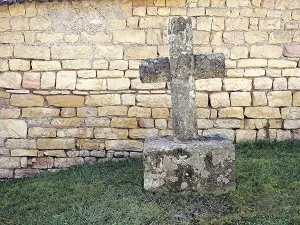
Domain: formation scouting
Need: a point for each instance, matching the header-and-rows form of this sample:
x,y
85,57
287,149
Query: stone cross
x,y
181,69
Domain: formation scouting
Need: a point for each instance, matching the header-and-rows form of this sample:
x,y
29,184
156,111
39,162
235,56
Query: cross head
x,y
181,69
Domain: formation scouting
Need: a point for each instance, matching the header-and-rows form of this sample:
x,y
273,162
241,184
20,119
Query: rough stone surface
x,y
292,51
206,165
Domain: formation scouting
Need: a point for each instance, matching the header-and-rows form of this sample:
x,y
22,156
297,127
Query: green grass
x,y
268,192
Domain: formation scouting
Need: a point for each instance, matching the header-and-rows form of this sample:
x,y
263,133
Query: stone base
x,y
206,165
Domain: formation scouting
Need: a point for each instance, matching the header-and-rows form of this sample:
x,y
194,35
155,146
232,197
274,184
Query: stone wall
x,y
69,83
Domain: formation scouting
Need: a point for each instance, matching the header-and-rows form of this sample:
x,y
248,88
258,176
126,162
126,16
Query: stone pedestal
x,y
206,166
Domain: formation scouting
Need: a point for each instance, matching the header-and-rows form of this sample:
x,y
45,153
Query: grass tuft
x,y
268,192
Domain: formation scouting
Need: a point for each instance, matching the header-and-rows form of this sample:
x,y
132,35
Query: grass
x,y
268,192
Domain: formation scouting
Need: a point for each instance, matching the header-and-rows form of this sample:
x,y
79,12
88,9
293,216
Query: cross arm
x,y
155,70
209,66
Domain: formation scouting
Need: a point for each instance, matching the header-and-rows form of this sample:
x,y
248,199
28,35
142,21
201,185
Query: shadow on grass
x,y
111,193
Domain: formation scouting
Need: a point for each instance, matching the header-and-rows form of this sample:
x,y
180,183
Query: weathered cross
x,y
181,70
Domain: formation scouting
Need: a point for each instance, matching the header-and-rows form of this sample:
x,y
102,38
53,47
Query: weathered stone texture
x,y
178,172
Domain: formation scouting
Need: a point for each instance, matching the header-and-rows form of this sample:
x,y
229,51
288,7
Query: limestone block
x,y
86,74
124,145
218,100
234,37
98,37
255,123
139,11
128,99
204,23
229,123
254,72
13,128
19,65
55,153
166,178
245,135
231,112
270,24
210,84
17,10
67,162
100,64
194,12
140,52
5,25
262,112
232,24
283,135
86,112
291,124
10,80
266,51
111,133
97,122
160,113
112,111
110,52
68,112
79,64
26,100
6,173
280,98
143,133
67,122
118,65
294,83
43,163
280,37
277,63
262,83
132,73
65,100
291,72
218,24
237,84
41,132
218,12
136,111
280,84
9,113
118,84
11,38
177,3
161,124
91,84
137,84
66,80
153,22
40,112
23,152
253,37
240,98
252,63
129,36
32,52
76,132
90,144
39,23
6,51
31,80
55,143
292,51
259,99
45,65
146,123
239,52
71,52
48,37
154,37
296,99
103,100
158,100
48,80
10,162
123,122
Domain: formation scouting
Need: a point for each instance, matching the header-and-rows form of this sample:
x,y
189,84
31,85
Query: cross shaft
x,y
181,70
